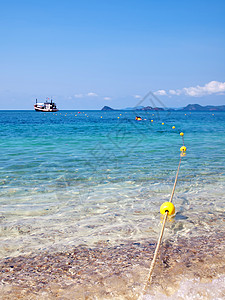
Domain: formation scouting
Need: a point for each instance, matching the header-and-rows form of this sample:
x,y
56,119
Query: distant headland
x,y
189,107
107,108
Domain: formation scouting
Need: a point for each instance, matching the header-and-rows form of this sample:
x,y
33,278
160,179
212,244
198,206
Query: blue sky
x,y
87,54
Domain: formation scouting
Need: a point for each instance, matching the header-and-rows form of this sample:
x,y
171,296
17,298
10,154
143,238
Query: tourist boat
x,y
46,106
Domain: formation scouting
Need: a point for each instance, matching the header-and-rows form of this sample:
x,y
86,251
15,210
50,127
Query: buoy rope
x,y
149,278
175,182
183,139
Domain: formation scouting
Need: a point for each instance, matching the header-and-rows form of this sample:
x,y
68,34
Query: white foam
x,y
195,289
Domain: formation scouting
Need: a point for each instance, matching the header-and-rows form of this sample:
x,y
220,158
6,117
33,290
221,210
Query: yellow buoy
x,y
173,127
162,123
167,207
183,148
151,120
181,133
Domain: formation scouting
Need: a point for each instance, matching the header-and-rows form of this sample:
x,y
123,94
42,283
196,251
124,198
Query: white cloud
x,y
160,93
175,92
107,98
78,95
212,87
91,94
137,97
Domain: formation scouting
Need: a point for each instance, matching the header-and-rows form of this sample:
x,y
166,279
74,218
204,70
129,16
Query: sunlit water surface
x,y
72,179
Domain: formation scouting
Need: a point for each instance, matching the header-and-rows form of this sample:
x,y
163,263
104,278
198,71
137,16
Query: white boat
x,y
46,106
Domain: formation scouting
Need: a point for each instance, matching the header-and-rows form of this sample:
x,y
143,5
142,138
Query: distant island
x,y
189,107
197,107
107,108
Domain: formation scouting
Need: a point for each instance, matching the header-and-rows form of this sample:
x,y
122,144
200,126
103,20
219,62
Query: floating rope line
x,y
166,209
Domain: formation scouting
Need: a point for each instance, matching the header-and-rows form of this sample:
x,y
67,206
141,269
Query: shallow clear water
x,y
70,179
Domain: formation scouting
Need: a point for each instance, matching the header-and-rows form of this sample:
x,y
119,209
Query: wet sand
x,y
113,272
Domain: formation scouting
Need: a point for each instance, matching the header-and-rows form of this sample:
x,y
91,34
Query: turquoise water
x,y
80,197
72,178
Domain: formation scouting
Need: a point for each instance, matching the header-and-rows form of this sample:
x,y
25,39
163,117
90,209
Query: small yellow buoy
x,y
151,120
181,133
173,127
167,207
183,148
162,123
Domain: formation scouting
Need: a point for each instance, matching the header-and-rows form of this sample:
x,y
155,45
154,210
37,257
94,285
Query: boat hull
x,y
46,110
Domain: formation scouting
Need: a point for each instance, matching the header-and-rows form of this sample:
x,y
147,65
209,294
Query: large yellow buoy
x,y
183,148
167,207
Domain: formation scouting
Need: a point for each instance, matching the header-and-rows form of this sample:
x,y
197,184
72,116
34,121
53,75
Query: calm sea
x,y
72,178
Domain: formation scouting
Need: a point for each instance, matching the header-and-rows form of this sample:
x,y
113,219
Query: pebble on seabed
x,y
110,271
